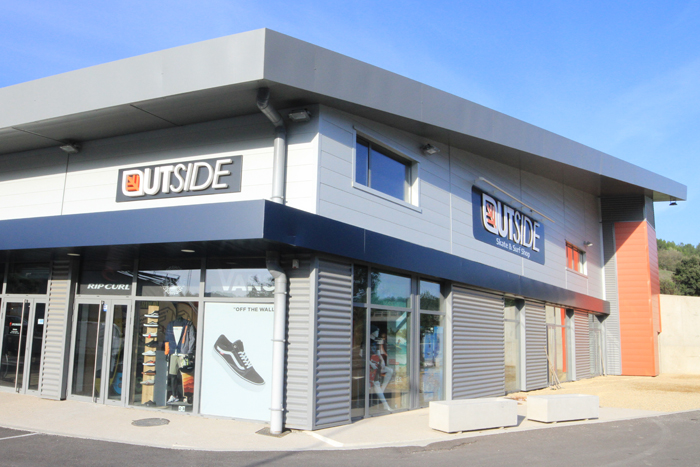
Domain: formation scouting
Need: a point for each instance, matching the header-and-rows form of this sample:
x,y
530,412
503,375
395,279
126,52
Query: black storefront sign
x,y
105,282
498,224
199,177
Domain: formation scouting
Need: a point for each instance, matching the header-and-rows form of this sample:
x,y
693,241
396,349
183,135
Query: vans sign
x,y
200,177
503,226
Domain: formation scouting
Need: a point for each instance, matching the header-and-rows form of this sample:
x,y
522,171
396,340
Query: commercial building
x,y
258,228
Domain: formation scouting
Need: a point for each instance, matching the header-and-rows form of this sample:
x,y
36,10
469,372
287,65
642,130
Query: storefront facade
x,y
247,232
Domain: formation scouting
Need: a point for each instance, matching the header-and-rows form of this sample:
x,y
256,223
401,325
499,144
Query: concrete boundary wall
x,y
679,341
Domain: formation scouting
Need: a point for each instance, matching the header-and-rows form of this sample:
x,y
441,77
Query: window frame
x,y
573,253
411,191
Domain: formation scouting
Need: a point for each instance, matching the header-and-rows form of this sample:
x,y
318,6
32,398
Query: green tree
x,y
687,276
668,287
669,259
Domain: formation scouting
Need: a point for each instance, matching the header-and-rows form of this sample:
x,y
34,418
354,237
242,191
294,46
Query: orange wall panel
x,y
638,327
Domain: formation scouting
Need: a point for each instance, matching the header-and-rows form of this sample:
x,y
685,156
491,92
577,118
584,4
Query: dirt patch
x,y
663,393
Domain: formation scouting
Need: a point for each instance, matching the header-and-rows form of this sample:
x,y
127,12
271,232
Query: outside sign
x,y
498,224
200,177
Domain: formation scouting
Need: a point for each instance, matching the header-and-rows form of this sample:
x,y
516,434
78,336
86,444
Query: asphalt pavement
x,y
665,440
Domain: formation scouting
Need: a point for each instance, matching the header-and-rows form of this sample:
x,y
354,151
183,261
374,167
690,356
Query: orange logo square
x,y
133,182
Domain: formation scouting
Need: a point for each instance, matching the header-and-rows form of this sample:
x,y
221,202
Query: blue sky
x,y
620,76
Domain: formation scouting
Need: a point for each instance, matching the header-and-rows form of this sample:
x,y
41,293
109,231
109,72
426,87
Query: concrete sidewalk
x,y
108,423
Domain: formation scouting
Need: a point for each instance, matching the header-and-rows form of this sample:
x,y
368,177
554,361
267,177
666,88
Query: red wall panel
x,y
639,318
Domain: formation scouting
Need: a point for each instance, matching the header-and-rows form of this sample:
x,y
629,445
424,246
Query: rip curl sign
x,y
498,224
200,177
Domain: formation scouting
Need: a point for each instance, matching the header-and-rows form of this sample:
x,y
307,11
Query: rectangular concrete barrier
x,y
472,414
562,407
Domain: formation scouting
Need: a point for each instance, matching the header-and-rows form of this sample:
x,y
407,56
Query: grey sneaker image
x,y
235,360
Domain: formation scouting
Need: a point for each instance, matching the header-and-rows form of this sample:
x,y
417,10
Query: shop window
x,y
381,170
163,363
105,278
511,329
390,289
575,259
384,347
432,370
169,279
28,278
429,296
239,279
557,343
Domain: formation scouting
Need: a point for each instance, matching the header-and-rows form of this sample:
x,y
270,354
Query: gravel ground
x,y
663,393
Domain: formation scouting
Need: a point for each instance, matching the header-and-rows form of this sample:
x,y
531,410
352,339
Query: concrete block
x,y
562,407
472,414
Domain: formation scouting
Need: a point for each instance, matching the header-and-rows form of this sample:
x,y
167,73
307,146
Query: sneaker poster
x,y
237,360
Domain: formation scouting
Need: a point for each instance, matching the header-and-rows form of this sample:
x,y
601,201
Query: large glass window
x,y
162,364
169,278
381,170
238,278
511,329
557,343
432,372
28,278
386,345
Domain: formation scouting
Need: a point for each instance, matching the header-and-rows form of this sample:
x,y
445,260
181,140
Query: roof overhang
x,y
218,79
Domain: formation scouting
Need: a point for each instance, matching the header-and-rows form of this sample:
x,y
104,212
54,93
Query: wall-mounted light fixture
x,y
300,116
673,202
587,243
429,149
71,147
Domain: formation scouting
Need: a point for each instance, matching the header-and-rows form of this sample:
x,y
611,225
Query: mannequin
x,y
378,367
180,348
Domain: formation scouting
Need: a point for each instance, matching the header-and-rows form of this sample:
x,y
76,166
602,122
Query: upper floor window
x,y
575,259
379,169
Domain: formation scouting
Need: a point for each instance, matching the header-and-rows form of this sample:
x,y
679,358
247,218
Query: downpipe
x,y
278,342
279,161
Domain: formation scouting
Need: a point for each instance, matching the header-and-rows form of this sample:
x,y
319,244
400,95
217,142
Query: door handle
x,y
97,346
25,305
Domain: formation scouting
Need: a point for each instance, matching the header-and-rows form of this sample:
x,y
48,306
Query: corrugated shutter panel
x,y
478,355
56,333
613,358
535,344
583,345
333,344
300,342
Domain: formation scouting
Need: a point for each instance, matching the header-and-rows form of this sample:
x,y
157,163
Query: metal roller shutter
x,y
611,335
333,344
535,344
582,341
300,343
478,358
54,359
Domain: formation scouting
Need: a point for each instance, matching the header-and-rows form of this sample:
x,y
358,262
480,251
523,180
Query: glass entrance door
x,y
97,358
22,344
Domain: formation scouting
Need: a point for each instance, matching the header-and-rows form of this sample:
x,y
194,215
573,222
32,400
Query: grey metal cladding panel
x,y
298,385
582,342
622,208
333,344
478,353
649,211
218,62
535,344
55,332
613,356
